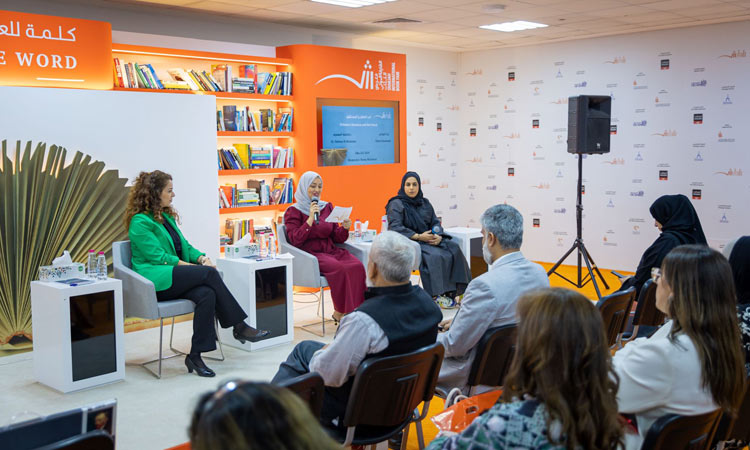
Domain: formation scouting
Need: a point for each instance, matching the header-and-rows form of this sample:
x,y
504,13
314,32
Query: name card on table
x,y
49,51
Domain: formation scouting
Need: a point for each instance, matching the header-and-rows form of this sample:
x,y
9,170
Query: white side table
x,y
78,334
464,236
263,287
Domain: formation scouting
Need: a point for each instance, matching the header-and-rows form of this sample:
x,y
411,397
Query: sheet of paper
x,y
339,214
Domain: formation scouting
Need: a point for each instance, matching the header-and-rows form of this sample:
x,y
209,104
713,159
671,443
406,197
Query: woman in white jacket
x,y
694,363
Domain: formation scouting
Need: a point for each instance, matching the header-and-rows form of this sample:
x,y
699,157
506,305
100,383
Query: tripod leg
x,y
596,268
591,273
560,261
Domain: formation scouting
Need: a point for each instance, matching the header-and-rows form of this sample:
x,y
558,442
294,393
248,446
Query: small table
x,y
78,334
468,239
263,287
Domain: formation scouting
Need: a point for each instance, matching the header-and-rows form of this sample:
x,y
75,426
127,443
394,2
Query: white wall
x,y
621,185
130,132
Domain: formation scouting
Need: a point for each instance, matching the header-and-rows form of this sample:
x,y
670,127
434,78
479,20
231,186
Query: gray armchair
x,y
139,300
305,273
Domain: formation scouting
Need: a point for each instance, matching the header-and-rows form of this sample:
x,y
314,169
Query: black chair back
x,y
615,309
737,428
674,431
646,313
310,388
93,440
386,390
494,353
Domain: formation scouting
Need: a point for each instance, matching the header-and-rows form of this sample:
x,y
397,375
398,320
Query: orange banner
x,y
37,50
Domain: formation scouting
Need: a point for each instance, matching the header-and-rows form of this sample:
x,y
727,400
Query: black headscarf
x,y
677,216
413,219
740,262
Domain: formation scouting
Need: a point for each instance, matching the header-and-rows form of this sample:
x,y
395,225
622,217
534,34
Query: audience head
x,y
502,231
562,359
245,415
696,291
411,186
391,259
151,192
676,213
739,260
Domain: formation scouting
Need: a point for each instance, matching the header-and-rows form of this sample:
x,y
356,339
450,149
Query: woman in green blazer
x,y
162,254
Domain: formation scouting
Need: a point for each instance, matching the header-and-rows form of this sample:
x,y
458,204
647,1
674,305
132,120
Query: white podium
x,y
263,287
78,334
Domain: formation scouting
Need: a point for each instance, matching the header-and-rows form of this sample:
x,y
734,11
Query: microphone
x,y
316,216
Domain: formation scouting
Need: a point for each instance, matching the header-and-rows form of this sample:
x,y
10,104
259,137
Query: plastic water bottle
x,y
358,230
272,252
91,264
384,224
263,246
101,266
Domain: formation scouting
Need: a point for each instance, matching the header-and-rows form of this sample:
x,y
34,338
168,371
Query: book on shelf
x,y
243,156
281,190
230,113
222,73
263,120
274,83
226,196
236,229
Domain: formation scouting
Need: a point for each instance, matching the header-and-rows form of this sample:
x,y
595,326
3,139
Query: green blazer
x,y
152,249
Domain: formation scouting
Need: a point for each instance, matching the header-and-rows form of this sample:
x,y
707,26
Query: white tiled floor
x,y
152,414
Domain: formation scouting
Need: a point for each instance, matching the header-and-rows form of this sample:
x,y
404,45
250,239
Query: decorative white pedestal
x,y
264,290
463,237
78,334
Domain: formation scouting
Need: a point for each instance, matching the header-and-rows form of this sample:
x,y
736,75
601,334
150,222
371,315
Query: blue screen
x,y
366,133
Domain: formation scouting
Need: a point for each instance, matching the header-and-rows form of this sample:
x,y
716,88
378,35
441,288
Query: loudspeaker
x,y
588,124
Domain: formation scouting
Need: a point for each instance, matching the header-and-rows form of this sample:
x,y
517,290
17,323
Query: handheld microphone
x,y
316,216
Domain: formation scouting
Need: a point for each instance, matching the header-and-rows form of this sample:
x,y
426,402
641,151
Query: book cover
x,y
118,73
155,77
181,75
243,152
219,72
277,190
229,111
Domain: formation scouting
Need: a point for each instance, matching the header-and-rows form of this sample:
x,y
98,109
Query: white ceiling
x,y
453,25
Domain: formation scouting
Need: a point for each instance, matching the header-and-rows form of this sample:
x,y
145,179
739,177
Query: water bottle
x,y
101,266
272,252
358,230
384,224
263,246
91,264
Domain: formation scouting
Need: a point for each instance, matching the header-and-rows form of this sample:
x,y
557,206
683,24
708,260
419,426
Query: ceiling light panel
x,y
518,25
353,3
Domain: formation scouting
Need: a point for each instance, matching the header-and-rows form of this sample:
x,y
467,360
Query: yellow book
x,y
243,151
270,84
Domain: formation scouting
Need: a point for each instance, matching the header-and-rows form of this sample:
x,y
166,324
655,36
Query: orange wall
x,y
366,188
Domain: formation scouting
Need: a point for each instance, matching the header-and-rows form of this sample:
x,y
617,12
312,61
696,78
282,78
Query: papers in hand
x,y
339,214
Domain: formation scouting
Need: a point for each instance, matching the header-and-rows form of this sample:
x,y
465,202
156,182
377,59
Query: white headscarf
x,y
300,196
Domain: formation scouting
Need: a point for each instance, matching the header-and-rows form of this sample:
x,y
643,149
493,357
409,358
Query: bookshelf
x,y
164,59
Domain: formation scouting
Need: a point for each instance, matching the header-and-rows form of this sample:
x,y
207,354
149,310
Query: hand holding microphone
x,y
315,210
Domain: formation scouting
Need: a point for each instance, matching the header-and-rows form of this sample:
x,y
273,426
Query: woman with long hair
x,y
739,259
161,254
243,415
693,364
344,272
444,270
678,224
560,390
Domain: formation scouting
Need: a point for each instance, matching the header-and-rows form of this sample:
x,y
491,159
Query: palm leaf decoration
x,y
47,206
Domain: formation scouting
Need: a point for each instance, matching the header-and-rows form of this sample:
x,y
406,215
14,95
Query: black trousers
x,y
334,399
204,287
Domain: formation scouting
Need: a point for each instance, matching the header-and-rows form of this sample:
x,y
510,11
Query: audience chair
x,y
646,313
674,431
385,396
615,309
737,428
493,356
139,300
310,388
93,440
305,273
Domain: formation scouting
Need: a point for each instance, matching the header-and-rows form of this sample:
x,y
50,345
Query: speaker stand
x,y
583,254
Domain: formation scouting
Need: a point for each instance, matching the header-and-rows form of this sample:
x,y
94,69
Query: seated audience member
x,y
560,390
694,363
395,318
344,272
738,253
244,415
490,299
678,223
444,270
161,254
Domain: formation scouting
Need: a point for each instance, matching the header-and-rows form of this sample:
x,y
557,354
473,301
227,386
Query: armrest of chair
x,y
305,267
357,252
139,294
417,254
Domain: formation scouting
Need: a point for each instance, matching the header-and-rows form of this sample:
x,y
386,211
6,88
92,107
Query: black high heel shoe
x,y
201,369
249,334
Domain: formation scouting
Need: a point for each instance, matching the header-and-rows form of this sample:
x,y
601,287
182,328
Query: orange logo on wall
x,y
37,50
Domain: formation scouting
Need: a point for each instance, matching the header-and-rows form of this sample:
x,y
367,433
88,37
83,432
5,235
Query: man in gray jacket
x,y
490,299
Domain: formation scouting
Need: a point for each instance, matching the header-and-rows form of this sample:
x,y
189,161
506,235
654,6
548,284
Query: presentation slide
x,y
366,133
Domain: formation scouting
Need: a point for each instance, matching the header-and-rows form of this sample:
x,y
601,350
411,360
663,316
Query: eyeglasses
x,y
655,274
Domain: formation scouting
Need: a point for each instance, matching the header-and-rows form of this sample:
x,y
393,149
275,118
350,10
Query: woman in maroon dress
x,y
344,272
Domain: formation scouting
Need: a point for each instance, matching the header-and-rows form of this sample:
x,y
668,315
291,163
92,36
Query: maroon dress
x,y
344,272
